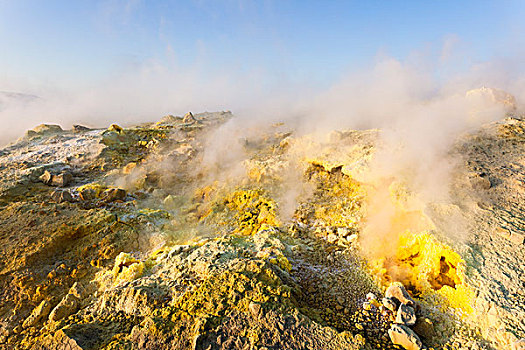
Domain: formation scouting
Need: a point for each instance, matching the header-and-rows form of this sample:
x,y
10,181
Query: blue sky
x,y
83,41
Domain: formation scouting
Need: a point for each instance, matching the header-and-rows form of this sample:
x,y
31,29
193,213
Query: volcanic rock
x,y
80,128
61,180
44,129
115,128
61,196
406,315
424,328
403,336
46,177
480,182
398,292
390,303
113,194
189,118
67,306
40,312
87,194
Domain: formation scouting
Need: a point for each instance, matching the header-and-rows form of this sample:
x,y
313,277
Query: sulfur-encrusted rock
x,y
38,313
115,128
67,306
87,194
403,336
44,129
189,118
406,315
398,292
113,194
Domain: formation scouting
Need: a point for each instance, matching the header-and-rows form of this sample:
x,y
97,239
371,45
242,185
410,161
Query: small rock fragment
x,y
343,231
46,177
61,180
390,304
403,336
255,309
406,315
397,291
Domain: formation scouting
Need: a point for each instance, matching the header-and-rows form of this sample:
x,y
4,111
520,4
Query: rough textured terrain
x,y
131,238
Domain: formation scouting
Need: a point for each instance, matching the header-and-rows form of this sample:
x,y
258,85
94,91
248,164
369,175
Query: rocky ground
x,y
131,238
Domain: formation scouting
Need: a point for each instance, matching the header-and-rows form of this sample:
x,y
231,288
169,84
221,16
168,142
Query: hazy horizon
x,y
130,60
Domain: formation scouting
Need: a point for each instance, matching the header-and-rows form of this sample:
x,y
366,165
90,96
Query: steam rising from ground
x,y
420,112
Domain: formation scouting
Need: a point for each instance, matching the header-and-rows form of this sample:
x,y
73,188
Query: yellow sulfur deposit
x,y
252,211
275,257
95,187
127,268
428,265
341,200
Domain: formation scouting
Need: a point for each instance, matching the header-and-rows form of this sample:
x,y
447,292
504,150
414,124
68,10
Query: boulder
x,y
62,196
424,328
87,194
115,128
406,315
189,118
398,292
403,336
38,313
44,129
113,194
61,180
67,306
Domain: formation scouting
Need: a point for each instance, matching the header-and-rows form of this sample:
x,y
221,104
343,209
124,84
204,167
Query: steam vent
x,y
186,234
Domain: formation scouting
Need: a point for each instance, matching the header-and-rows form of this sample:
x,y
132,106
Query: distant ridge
x,y
11,97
